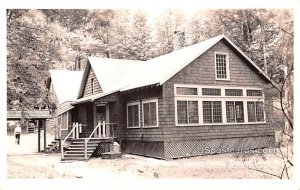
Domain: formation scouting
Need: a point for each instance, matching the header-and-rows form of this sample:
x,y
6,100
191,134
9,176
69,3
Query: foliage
x,y
39,40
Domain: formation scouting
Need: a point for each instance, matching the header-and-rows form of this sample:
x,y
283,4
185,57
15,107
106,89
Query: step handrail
x,y
97,126
75,136
86,140
58,127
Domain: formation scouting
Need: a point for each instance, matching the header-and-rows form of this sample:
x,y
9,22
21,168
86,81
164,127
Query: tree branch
x,y
287,32
281,99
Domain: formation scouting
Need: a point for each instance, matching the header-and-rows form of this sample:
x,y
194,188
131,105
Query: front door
x,y
101,114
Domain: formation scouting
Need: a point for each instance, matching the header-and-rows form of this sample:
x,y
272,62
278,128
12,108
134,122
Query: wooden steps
x,y
53,147
76,149
32,129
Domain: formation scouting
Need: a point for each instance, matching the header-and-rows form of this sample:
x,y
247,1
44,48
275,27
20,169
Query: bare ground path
x,y
23,161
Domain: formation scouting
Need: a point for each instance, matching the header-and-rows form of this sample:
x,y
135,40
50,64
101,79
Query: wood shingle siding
x,y
202,72
88,85
141,134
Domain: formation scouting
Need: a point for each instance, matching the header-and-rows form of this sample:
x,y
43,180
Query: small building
x,y
203,99
40,119
63,88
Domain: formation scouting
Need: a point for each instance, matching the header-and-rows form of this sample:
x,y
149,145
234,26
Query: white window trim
x,y
235,111
227,66
157,120
139,113
254,122
221,98
186,99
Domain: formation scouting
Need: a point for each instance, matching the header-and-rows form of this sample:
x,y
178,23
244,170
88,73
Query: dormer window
x,y
222,66
93,85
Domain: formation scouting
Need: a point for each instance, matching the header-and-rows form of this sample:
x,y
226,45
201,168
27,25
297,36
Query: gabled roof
x,y
121,75
66,84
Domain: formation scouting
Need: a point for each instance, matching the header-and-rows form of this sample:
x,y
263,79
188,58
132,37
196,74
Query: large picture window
x,y
212,112
217,105
255,111
133,113
234,112
150,113
187,112
222,67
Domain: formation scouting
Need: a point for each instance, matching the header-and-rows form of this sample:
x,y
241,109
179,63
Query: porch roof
x,y
32,114
66,106
92,97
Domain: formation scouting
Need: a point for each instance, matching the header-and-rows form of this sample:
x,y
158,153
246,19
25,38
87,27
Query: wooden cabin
x,y
63,88
203,99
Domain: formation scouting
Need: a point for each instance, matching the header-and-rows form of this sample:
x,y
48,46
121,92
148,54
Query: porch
x,y
74,147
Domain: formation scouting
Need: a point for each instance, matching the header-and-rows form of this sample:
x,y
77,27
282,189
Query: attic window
x,y
222,66
93,85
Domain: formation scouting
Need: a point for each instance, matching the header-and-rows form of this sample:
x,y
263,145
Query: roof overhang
x,y
64,109
92,98
32,114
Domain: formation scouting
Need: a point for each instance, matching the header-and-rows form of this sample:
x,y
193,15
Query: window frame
x,y
223,98
255,111
212,111
143,114
176,113
227,66
139,114
235,113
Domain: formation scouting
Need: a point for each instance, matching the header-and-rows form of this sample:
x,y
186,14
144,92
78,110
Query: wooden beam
x,y
45,140
39,136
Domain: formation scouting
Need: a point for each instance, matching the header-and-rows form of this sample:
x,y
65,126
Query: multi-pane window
x,y
221,66
150,113
133,115
187,112
254,92
234,112
212,112
255,111
186,91
201,105
211,92
233,92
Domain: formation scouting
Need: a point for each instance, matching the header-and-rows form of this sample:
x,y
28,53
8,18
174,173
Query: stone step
x,y
73,158
78,152
76,155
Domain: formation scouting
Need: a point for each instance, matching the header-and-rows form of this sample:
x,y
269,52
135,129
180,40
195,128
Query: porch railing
x,y
75,135
57,131
102,130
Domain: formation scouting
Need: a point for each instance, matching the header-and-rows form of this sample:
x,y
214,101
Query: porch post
x,y
104,128
45,132
39,136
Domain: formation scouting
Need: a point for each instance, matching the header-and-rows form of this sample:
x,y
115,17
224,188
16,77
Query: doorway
x,y
101,114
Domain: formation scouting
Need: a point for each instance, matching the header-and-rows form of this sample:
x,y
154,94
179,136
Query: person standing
x,y
17,133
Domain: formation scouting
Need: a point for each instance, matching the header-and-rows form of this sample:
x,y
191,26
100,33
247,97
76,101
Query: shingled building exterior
x,y
203,99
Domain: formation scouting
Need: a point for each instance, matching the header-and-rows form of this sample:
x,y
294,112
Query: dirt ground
x,y
23,161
